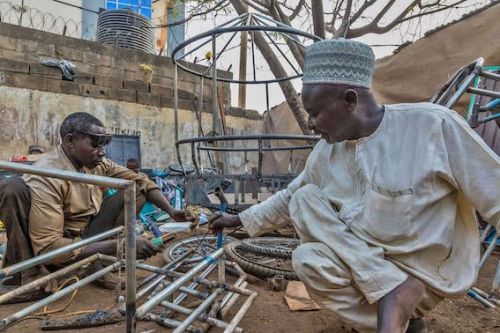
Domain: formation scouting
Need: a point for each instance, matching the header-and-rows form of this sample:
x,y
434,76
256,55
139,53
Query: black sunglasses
x,y
98,140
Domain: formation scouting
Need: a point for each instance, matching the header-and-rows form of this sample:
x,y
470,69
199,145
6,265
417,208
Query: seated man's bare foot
x,y
395,308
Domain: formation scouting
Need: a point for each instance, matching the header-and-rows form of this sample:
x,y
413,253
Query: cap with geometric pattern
x,y
339,61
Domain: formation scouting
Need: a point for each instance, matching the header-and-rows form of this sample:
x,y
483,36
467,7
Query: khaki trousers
x,y
341,272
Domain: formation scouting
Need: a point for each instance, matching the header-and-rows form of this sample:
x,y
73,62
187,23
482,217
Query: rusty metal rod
x,y
57,295
67,175
199,311
241,312
43,280
151,303
38,260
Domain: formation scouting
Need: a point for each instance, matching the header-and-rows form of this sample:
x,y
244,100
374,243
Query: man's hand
x,y
222,220
182,216
145,248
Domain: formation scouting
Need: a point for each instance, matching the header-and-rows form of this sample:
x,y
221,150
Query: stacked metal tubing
x,y
148,285
162,295
130,249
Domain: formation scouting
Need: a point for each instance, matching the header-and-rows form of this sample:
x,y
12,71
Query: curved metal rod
x,y
249,137
287,148
220,31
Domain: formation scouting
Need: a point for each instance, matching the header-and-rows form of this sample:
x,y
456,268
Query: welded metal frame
x,y
219,299
460,83
248,22
128,187
260,138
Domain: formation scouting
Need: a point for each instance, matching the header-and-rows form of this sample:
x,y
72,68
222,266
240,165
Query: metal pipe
x,y
227,303
200,128
67,175
253,57
481,299
38,260
146,307
54,297
172,265
241,149
179,299
489,250
176,104
41,281
484,92
190,292
282,54
489,75
199,311
250,137
210,320
461,90
239,315
130,258
215,116
169,323
259,163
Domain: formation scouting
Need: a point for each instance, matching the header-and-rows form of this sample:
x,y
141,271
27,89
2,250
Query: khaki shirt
x,y
409,188
58,204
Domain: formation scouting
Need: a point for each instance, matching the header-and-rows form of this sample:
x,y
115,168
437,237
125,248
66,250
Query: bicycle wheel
x,y
260,265
275,247
203,246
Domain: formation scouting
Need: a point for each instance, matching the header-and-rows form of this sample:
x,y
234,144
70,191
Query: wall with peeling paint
x,y
32,117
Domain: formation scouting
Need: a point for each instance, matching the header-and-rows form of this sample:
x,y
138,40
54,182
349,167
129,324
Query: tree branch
x,y
346,21
217,6
263,10
318,18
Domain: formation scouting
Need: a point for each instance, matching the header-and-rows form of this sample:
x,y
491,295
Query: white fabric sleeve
x,y
272,213
474,167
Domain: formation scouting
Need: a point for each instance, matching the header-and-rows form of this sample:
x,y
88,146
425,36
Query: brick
x,y
139,86
38,48
167,102
109,71
29,81
54,85
161,90
91,58
10,65
68,53
186,104
122,95
8,43
164,81
131,75
149,99
49,72
89,90
6,78
82,77
64,87
71,87
186,94
108,81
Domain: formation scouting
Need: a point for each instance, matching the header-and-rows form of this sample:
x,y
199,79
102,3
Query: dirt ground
x,y
270,313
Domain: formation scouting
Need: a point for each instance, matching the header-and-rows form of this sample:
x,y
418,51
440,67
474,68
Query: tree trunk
x,y
287,88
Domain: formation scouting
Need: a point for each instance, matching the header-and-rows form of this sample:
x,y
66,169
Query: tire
x,y
204,245
274,247
258,265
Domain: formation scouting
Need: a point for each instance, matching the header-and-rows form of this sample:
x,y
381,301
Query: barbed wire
x,y
31,17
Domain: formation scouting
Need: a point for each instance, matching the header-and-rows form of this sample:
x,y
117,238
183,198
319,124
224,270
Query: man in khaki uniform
x,y
42,214
385,205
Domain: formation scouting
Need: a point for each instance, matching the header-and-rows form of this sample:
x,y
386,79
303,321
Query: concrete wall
x,y
109,84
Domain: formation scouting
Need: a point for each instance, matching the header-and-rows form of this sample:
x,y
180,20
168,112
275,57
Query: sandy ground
x,y
270,313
